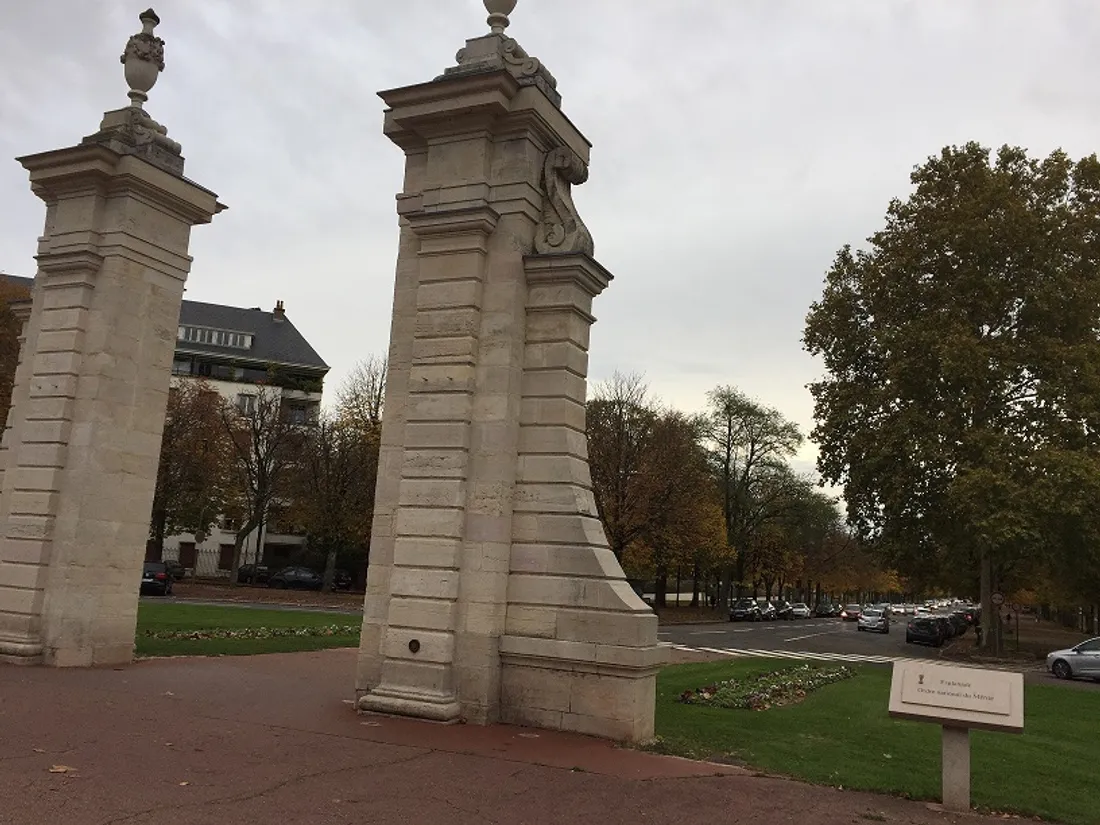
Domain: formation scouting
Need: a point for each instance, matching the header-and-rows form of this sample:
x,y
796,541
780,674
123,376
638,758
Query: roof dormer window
x,y
215,337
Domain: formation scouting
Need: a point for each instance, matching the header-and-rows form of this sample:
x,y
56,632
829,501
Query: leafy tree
x,y
750,445
333,491
265,446
11,328
961,403
360,399
192,475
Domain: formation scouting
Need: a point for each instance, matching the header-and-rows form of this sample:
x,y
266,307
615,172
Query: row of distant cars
x,y
932,623
157,577
763,610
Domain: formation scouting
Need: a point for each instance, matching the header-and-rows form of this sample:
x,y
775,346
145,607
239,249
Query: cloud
x,y
737,146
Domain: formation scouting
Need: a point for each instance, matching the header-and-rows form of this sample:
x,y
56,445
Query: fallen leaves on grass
x,y
61,769
252,632
767,690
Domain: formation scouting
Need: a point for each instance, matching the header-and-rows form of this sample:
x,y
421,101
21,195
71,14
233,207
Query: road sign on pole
x,y
998,599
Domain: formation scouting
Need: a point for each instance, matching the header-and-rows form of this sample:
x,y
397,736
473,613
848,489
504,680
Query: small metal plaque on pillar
x,y
958,698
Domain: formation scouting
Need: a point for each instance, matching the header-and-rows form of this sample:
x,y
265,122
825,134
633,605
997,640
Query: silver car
x,y
800,610
1082,660
873,618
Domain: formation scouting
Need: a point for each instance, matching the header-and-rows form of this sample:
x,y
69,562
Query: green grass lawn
x,y
842,735
165,618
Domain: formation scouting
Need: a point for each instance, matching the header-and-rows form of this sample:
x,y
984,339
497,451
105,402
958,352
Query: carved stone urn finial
x,y
143,59
498,14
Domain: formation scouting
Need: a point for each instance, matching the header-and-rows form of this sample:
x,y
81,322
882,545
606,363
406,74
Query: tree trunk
x,y
330,567
695,585
660,588
989,611
725,582
678,585
160,526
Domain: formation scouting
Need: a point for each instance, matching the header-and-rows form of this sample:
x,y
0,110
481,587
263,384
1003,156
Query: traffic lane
x,y
812,635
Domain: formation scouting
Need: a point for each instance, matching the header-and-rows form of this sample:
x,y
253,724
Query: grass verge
x,y
163,630
841,735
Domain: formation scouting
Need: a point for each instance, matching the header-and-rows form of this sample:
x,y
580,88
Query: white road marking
x,y
709,633
809,636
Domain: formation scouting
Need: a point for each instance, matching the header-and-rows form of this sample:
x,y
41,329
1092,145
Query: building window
x,y
188,555
246,404
214,337
181,366
225,556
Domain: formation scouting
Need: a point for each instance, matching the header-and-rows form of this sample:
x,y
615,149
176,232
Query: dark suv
x,y
253,574
156,579
296,578
745,610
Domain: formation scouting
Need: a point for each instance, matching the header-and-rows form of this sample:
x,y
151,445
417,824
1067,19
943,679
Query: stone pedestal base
x,y
20,653
434,708
956,768
599,690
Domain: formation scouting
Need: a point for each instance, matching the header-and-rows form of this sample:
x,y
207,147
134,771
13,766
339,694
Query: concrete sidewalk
x,y
275,739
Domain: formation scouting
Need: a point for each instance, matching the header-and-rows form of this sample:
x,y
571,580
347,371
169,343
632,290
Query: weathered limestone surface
x,y
492,594
82,440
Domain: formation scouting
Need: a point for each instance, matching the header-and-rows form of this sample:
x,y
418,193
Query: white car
x,y
800,610
1082,660
872,618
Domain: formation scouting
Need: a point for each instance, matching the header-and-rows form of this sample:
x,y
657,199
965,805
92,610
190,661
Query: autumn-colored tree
x,y
333,490
360,399
265,446
10,330
749,445
193,480
961,405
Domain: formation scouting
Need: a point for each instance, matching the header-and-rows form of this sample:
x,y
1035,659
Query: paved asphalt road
x,y
822,640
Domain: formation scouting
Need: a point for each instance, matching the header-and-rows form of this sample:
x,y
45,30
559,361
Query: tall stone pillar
x,y
82,440
491,593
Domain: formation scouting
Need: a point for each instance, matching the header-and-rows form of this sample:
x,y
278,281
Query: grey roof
x,y
274,341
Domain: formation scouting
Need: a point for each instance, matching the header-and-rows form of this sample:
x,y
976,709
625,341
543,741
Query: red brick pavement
x,y
275,739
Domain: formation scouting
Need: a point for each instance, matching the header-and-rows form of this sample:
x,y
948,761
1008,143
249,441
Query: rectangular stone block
x,y
23,576
25,502
553,528
531,620
447,323
433,523
46,431
434,646
553,469
461,349
564,354
436,406
439,463
421,435
626,629
427,552
424,583
449,294
423,613
41,455
553,383
554,325
60,341
565,560
56,363
553,439
445,378
547,411
432,492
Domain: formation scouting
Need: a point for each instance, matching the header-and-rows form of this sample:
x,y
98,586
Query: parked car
x,y
296,578
253,574
155,579
341,580
800,610
783,610
1082,660
827,611
767,610
924,630
176,570
851,612
875,619
947,627
745,610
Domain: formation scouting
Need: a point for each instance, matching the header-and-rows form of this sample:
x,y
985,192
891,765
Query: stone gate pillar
x,y
491,593
82,441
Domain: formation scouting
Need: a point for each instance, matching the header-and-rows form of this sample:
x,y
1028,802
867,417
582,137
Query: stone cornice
x,y
571,268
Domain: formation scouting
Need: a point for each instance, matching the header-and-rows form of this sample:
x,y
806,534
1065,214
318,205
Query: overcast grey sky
x,y
737,145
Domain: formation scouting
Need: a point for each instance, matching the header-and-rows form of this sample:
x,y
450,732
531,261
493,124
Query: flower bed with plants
x,y
767,690
252,632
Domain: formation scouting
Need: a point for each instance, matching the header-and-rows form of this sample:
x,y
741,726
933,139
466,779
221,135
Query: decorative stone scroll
x,y
562,231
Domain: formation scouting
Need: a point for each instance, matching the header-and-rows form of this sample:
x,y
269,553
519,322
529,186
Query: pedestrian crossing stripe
x,y
853,658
